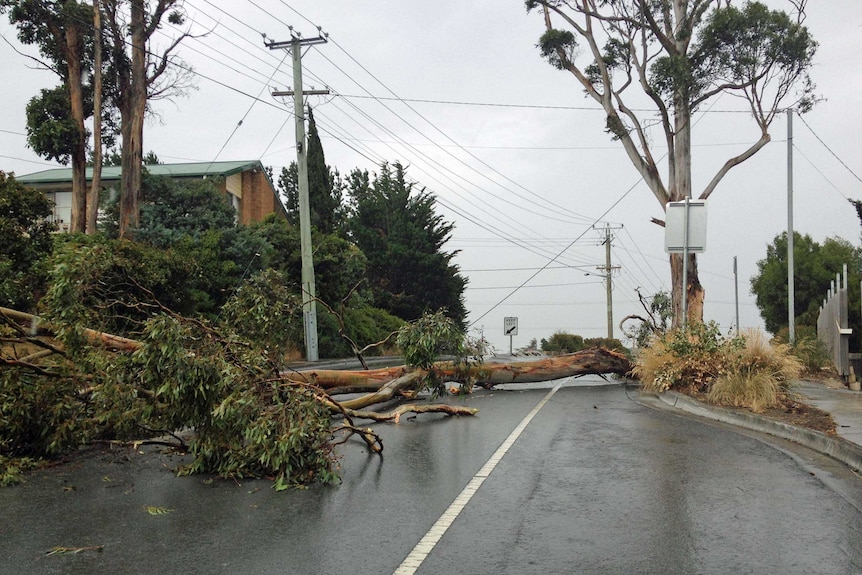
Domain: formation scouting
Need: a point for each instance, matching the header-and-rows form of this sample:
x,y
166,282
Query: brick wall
x,y
258,197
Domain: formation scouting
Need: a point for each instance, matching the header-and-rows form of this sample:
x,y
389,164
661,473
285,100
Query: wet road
x,y
595,483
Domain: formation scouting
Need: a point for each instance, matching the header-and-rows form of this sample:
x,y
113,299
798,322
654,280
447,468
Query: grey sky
x,y
520,181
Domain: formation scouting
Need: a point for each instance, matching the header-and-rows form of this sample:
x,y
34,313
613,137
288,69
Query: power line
x,y
471,288
819,171
819,139
518,106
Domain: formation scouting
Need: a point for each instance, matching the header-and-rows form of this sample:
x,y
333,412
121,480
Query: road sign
x,y
674,227
510,326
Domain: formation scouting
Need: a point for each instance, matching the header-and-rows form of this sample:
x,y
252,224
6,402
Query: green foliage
x,y
562,342
220,260
12,469
264,312
178,209
114,285
755,45
612,344
40,415
555,41
363,323
25,242
810,351
659,313
424,340
248,422
815,268
403,238
51,130
325,188
44,23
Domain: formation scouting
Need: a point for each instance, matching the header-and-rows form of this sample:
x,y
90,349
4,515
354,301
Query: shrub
x,y
25,241
757,375
563,342
691,357
612,344
743,371
808,348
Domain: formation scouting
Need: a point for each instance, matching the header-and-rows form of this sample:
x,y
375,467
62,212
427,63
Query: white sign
x,y
510,326
674,227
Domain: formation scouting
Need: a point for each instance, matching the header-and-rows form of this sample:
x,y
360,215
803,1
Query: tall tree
x,y
60,29
815,267
681,54
140,74
325,187
96,182
403,238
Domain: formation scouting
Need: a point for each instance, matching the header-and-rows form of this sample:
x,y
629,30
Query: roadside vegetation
x,y
210,315
747,370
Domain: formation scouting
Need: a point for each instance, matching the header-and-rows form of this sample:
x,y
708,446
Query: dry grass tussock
x,y
758,376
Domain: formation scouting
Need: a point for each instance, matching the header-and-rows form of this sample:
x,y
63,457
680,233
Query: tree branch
x,y
734,161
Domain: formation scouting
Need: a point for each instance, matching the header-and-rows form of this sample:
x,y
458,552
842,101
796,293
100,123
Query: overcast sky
x,y
516,155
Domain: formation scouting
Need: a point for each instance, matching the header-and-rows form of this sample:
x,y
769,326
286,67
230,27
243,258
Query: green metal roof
x,y
112,173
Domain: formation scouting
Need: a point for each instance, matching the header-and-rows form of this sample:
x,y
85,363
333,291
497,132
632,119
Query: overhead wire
x,y
430,123
829,149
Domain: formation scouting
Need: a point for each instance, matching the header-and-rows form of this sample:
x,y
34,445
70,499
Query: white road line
x,y
432,537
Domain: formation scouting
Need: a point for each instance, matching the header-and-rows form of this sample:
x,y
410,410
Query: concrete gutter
x,y
838,448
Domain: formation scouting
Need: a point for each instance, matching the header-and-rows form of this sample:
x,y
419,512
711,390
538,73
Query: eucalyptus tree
x,y
62,32
677,55
141,73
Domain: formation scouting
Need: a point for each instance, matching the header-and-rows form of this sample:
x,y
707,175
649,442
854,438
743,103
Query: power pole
x,y
608,270
791,284
309,307
736,292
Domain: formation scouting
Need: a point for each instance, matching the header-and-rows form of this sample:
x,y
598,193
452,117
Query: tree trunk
x,y
79,152
96,184
585,362
36,325
681,189
132,113
694,291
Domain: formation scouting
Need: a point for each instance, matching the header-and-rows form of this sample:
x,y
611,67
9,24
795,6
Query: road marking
x,y
416,557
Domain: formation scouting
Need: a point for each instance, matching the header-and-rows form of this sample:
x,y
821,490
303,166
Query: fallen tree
x,y
594,361
251,415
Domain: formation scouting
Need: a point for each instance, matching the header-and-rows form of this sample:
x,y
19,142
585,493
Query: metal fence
x,y
832,325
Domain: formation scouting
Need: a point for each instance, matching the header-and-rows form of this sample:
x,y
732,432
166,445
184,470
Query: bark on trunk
x,y
694,290
36,323
73,50
96,184
681,189
585,362
132,115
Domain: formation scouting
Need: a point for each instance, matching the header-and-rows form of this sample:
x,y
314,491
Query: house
x,y
246,182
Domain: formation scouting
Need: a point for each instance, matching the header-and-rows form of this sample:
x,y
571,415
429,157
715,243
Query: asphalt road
x,y
594,483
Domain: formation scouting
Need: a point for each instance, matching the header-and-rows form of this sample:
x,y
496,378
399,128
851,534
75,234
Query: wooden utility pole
x,y
608,270
309,308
